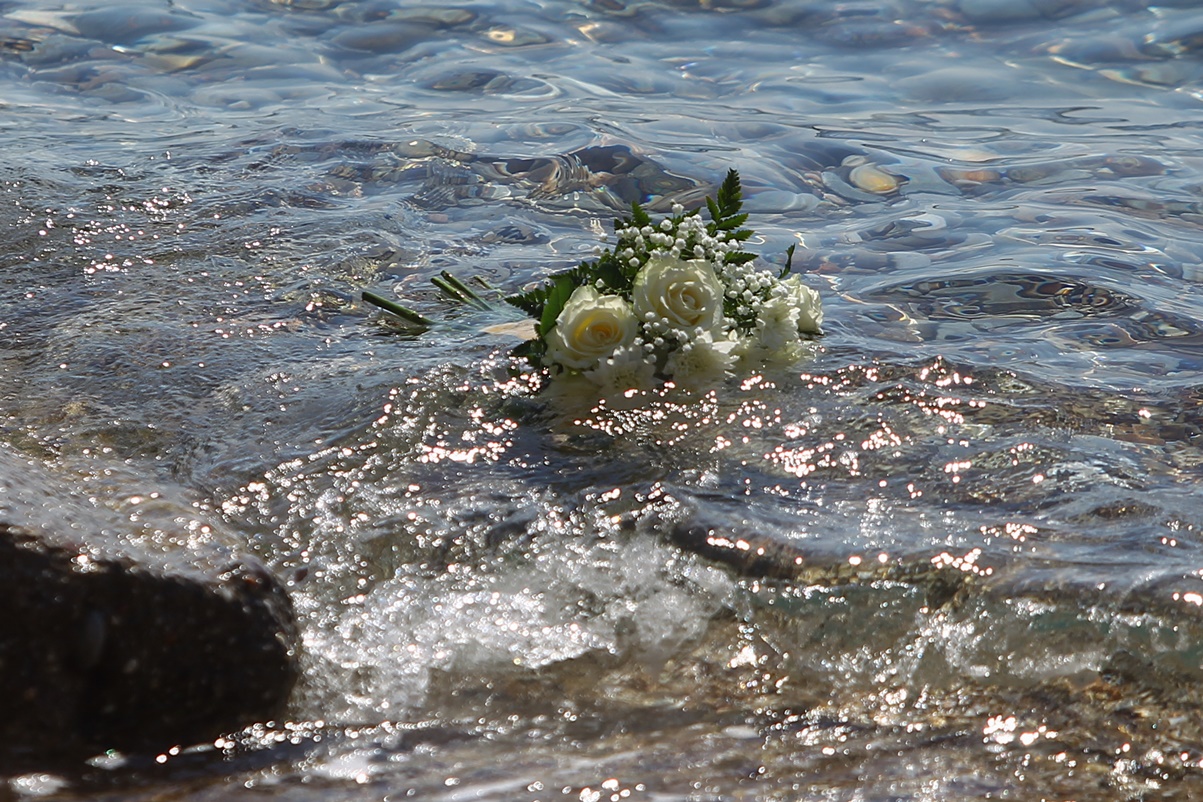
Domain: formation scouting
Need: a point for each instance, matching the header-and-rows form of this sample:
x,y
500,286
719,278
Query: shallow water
x,y
1000,203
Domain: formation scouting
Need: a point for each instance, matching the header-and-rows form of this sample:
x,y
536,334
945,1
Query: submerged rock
x,y
100,652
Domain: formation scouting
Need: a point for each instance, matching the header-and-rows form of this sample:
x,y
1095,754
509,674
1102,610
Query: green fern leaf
x,y
730,197
530,302
739,258
731,223
638,216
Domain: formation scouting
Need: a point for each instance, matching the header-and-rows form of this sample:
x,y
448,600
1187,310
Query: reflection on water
x,y
953,554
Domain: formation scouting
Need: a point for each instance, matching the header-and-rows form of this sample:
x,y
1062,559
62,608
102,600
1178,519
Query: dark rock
x,y
103,652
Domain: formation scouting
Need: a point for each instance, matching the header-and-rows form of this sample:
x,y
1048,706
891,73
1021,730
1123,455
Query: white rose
x,y
686,294
807,302
702,362
590,328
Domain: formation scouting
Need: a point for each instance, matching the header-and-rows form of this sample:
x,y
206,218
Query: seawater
x,y
999,202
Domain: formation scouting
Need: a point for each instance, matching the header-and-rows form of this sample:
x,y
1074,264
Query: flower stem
x,y
397,309
468,295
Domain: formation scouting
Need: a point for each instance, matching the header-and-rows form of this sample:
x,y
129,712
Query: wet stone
x,y
444,17
872,178
57,49
960,85
383,37
508,36
125,25
11,44
138,657
471,80
306,5
1003,11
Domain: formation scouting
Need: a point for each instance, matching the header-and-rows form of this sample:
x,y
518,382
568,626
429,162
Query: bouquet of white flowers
x,y
675,302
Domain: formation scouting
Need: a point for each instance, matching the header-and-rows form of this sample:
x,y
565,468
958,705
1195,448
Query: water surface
x,y
1000,204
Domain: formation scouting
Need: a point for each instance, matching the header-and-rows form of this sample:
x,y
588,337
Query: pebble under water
x,y
959,551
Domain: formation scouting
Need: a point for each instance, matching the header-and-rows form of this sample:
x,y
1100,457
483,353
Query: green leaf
x,y
561,290
730,196
789,260
530,350
725,211
616,278
530,302
638,216
729,223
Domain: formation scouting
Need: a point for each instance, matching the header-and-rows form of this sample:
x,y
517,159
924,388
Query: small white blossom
x,y
807,302
777,326
626,369
704,363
